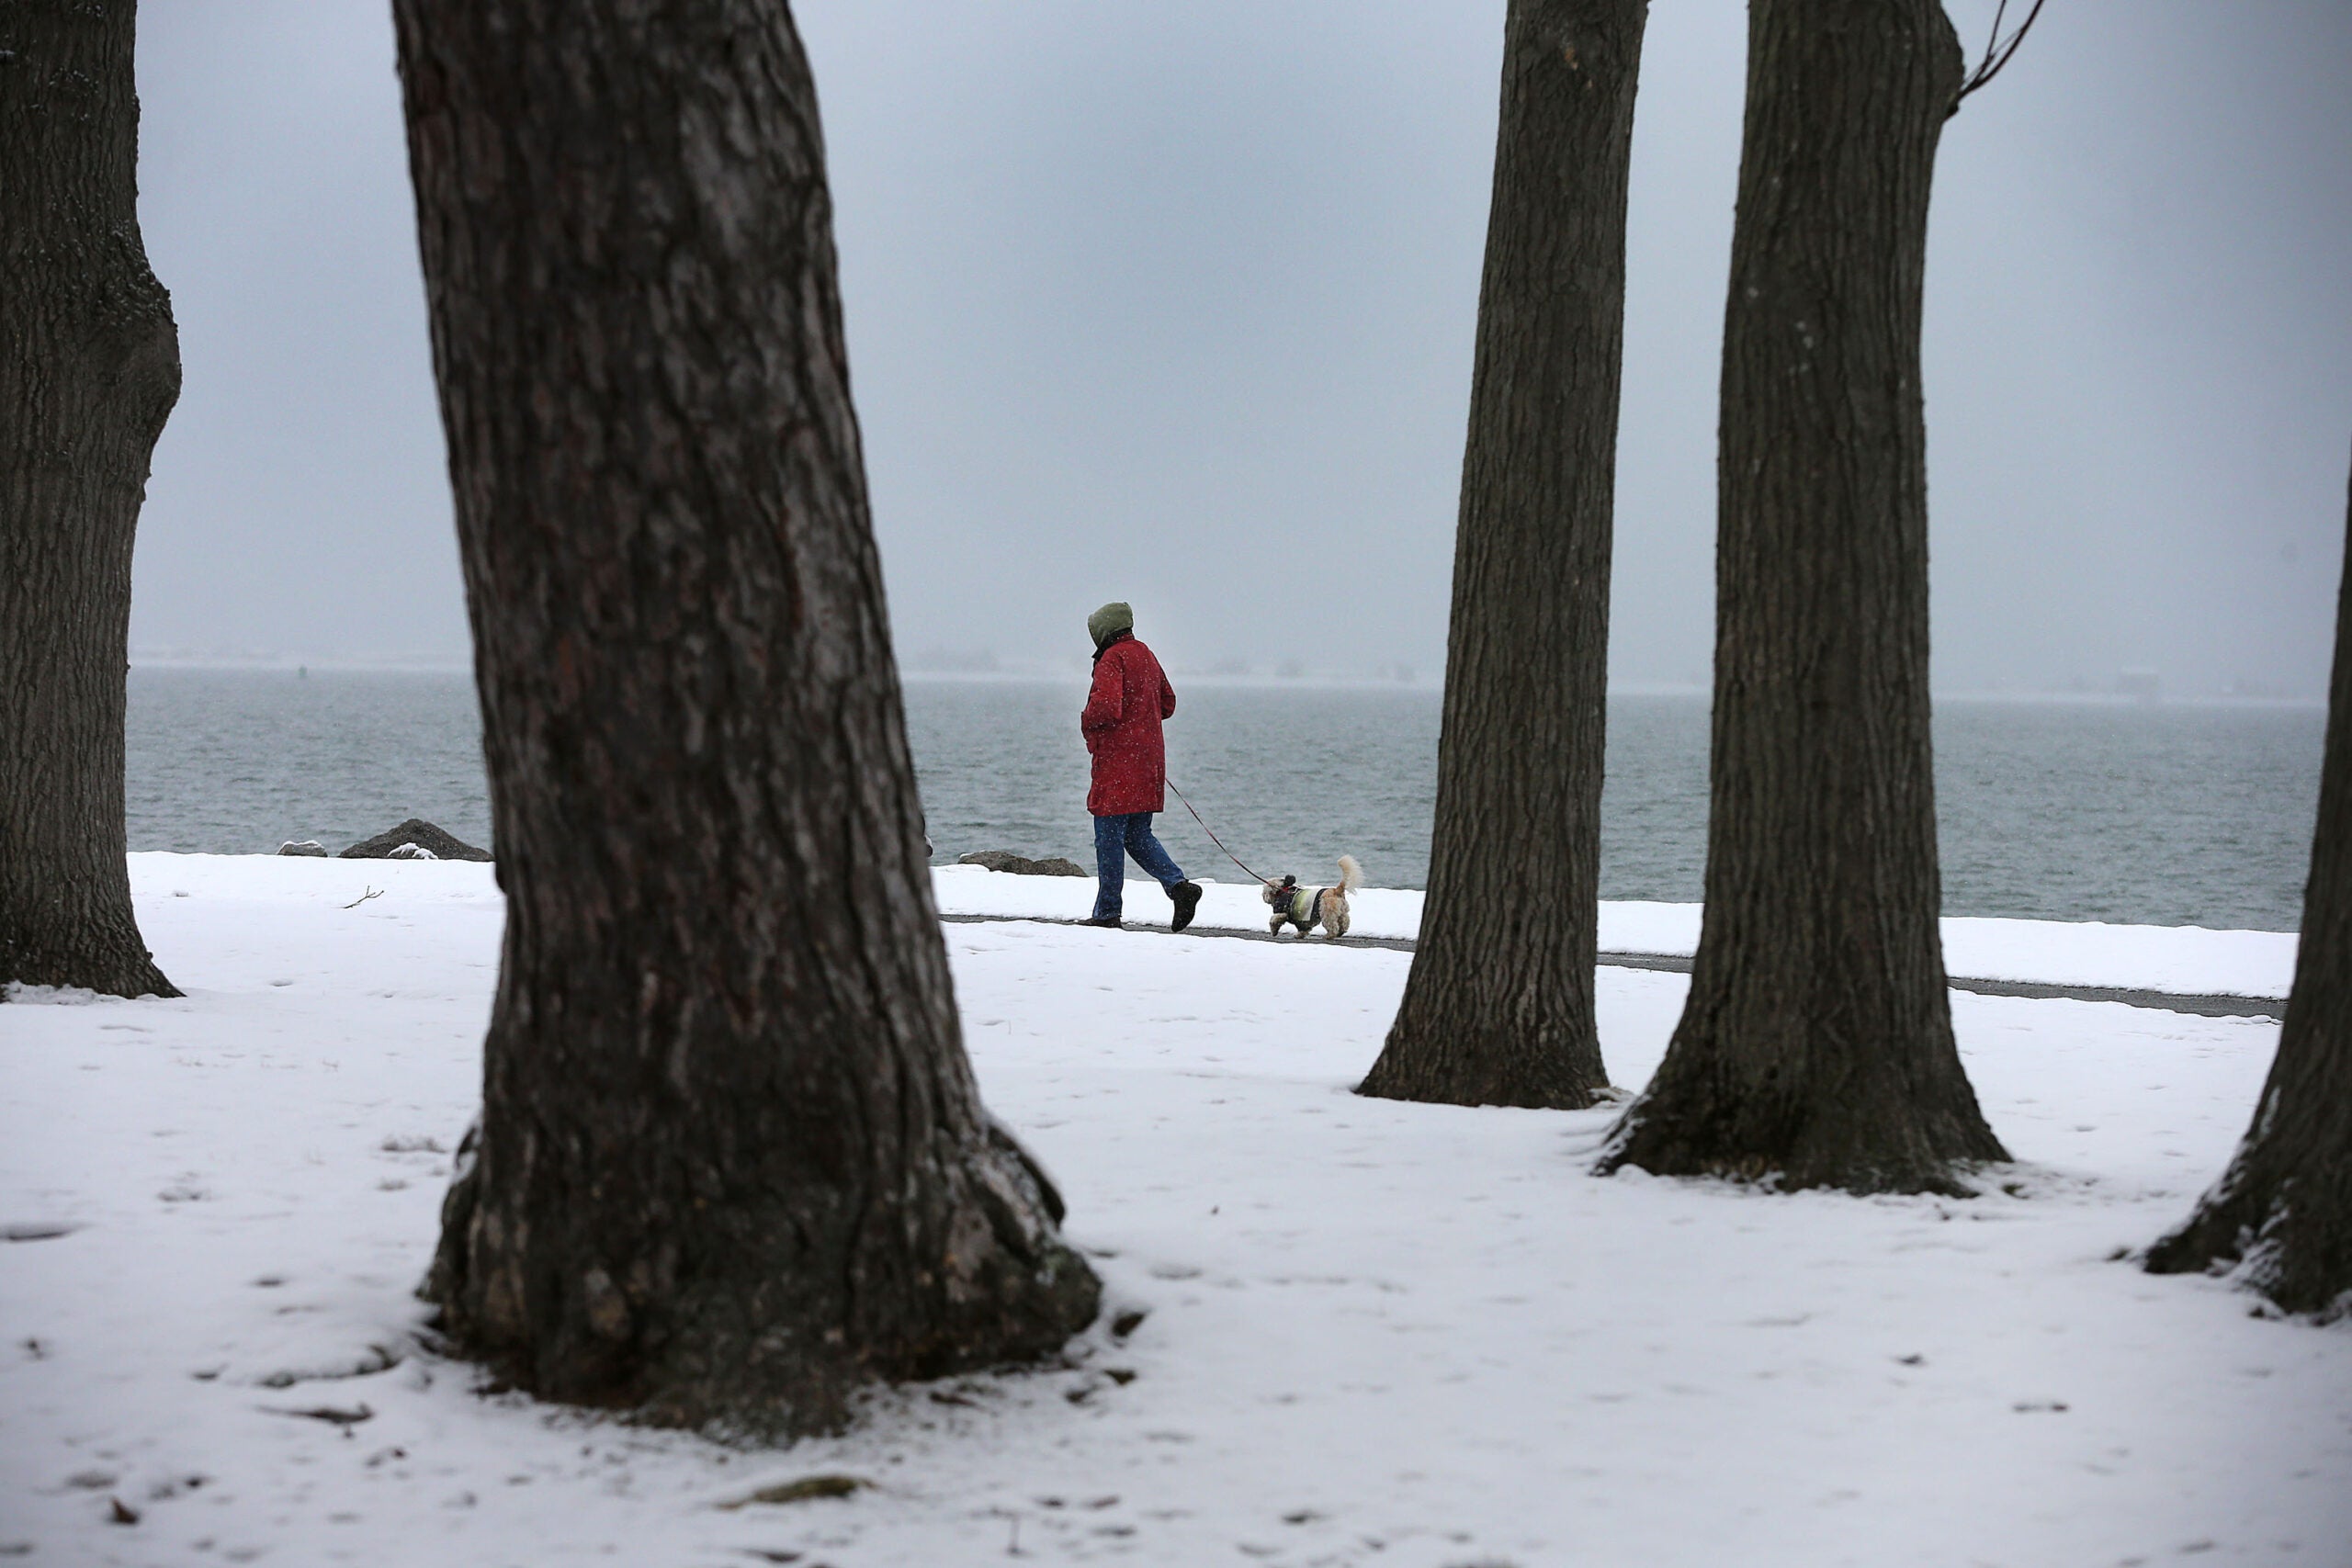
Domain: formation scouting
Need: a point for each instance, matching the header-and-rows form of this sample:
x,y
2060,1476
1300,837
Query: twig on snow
x,y
371,893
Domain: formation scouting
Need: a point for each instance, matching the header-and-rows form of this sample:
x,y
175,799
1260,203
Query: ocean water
x,y
2157,815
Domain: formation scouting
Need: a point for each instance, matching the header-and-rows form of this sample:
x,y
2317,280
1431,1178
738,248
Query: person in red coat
x,y
1129,700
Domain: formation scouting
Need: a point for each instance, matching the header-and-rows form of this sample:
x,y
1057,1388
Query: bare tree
x,y
1498,1010
2283,1210
1999,51
89,370
732,1160
1816,1045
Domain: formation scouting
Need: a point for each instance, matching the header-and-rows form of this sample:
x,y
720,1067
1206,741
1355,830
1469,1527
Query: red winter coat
x,y
1122,728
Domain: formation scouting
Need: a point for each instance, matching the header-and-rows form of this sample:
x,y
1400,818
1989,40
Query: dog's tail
x,y
1351,874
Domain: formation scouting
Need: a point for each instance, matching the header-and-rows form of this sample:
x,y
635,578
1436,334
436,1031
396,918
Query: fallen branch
x,y
371,893
334,1415
801,1491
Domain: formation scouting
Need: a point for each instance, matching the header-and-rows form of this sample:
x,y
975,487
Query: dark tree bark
x,y
731,1161
89,370
1817,1046
1498,1008
2283,1210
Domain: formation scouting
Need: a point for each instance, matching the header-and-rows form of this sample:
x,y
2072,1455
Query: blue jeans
x,y
1116,838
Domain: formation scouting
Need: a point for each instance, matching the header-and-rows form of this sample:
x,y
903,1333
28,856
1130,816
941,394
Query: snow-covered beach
x,y
2180,960
1371,1332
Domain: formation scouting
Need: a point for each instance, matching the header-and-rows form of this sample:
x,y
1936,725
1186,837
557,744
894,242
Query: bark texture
x,y
1498,1008
731,1161
1817,1046
89,370
2283,1210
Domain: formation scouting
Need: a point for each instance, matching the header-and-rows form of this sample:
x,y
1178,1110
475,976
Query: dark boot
x,y
1187,896
1110,920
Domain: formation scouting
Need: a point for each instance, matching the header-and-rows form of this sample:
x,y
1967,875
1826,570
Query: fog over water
x,y
1176,305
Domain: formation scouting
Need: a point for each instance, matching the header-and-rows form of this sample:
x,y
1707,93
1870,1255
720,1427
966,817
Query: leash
x,y
1235,859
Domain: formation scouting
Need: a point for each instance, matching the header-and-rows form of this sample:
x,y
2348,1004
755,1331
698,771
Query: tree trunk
x,y
1498,1008
732,1160
2283,1210
1817,1046
89,370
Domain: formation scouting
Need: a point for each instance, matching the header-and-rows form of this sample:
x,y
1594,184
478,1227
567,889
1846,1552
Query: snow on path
x,y
2182,960
1376,1333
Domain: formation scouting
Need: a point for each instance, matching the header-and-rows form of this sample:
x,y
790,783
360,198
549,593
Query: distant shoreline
x,y
1228,681
271,664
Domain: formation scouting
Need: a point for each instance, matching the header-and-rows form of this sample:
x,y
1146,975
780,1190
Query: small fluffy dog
x,y
1307,907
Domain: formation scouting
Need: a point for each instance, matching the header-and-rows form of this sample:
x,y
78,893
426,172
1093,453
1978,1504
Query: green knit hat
x,y
1109,621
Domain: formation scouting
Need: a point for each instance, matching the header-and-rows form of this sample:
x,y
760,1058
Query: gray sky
x,y
1176,304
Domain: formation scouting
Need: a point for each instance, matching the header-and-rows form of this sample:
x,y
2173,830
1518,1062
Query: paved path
x,y
2165,1001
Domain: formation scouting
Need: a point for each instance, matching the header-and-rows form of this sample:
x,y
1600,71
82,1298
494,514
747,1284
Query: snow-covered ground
x,y
1375,1333
2182,959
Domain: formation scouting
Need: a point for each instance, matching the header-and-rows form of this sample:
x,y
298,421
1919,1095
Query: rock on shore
x,y
417,832
1022,865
